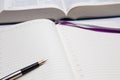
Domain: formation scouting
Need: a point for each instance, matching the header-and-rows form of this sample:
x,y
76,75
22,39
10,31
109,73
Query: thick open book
x,y
72,53
23,10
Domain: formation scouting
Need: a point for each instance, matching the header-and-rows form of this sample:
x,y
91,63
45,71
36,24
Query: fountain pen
x,y
15,75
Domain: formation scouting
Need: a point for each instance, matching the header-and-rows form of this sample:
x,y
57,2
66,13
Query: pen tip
x,y
42,62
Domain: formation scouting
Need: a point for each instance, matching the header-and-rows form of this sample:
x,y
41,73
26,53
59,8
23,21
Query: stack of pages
x,y
23,10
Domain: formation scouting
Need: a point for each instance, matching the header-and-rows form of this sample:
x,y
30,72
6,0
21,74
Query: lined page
x,y
28,42
93,55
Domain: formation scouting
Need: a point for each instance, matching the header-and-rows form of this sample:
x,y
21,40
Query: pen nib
x,y
42,62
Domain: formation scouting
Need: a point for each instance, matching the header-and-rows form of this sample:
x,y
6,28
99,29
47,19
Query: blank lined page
x,y
29,42
93,55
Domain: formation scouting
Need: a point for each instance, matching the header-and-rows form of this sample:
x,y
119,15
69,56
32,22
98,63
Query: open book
x,y
72,53
22,10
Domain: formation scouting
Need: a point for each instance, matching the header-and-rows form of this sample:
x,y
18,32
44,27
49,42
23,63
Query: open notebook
x,y
72,53
23,10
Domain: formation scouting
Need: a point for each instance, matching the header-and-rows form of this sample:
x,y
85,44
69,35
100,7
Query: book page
x,y
1,5
94,55
70,3
74,3
108,1
32,4
29,42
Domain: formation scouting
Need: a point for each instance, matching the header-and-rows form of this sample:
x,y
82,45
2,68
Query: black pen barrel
x,y
30,68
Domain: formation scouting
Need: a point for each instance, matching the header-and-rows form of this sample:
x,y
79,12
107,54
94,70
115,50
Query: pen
x,y
23,71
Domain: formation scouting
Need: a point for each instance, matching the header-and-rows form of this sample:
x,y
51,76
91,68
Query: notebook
x,y
72,53
23,10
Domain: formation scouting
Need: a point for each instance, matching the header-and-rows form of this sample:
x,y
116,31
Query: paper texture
x,y
93,55
32,4
1,5
29,42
